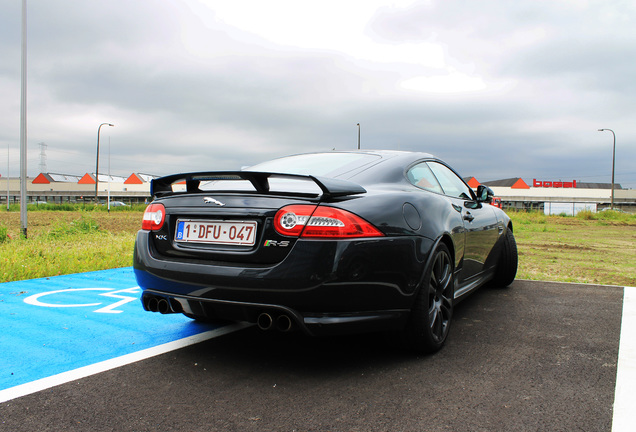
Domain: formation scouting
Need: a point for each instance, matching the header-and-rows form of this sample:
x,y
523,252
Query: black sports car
x,y
324,242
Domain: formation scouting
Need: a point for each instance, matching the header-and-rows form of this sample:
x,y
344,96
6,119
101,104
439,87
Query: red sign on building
x,y
553,184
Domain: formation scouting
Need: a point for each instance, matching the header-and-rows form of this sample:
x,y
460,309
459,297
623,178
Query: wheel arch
x,y
448,242
429,320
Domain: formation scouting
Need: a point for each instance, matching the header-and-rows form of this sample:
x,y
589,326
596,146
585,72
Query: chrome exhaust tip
x,y
163,306
284,323
264,321
152,304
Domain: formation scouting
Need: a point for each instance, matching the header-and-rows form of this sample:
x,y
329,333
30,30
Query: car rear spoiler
x,y
330,187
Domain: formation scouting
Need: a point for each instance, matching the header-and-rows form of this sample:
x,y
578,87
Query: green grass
x,y
590,248
4,234
64,253
64,242
73,207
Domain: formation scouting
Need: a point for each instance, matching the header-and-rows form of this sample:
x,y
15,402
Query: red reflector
x,y
307,221
154,217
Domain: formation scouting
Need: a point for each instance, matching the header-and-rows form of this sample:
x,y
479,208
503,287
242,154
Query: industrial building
x,y
550,196
557,196
67,188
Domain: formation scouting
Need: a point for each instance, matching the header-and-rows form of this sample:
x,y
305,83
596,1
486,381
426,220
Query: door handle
x,y
469,217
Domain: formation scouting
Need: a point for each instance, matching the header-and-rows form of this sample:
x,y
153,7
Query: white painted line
x,y
64,377
625,395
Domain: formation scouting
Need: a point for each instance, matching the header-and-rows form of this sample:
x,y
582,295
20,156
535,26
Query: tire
x,y
508,261
429,323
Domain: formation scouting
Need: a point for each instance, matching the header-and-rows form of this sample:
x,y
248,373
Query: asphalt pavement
x,y
537,356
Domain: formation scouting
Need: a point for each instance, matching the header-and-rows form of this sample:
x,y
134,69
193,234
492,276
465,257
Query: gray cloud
x,y
194,92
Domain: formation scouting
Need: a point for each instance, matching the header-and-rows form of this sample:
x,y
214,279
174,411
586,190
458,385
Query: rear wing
x,y
330,187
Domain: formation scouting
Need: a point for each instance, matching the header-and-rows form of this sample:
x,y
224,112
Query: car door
x,y
480,221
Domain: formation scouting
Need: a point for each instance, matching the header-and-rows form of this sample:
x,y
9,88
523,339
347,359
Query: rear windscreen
x,y
276,184
318,164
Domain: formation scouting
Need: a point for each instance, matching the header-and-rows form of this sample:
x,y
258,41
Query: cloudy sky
x,y
497,88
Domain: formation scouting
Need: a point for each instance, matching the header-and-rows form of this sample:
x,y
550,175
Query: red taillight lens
x,y
308,221
154,216
290,220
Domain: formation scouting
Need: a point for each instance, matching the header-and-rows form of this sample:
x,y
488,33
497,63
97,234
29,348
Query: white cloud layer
x,y
497,88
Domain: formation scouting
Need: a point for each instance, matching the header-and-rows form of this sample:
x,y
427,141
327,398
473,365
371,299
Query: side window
x,y
422,177
451,183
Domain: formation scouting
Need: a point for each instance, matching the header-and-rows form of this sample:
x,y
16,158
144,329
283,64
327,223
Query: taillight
x,y
154,216
308,221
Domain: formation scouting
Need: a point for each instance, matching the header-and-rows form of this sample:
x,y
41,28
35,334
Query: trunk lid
x,y
227,217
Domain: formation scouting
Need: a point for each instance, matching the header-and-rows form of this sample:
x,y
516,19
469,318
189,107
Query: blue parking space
x,y
62,323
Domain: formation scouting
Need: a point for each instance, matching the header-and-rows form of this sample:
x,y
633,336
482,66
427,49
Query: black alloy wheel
x,y
431,316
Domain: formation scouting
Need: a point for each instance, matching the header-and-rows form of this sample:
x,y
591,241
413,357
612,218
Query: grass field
x,y
590,248
64,242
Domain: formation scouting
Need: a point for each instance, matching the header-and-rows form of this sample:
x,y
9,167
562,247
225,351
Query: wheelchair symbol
x,y
41,299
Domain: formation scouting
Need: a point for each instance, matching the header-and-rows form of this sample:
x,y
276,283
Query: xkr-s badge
x,y
270,243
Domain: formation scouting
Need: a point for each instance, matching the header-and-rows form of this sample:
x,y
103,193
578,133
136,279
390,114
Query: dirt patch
x,y
559,246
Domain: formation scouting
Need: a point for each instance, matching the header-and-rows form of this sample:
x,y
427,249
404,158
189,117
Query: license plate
x,y
238,233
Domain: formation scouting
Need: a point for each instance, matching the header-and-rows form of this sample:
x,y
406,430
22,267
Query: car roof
x,y
383,153
389,168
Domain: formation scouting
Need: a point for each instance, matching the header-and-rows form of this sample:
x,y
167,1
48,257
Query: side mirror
x,y
484,194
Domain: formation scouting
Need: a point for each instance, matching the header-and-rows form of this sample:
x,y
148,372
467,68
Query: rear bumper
x,y
322,286
280,317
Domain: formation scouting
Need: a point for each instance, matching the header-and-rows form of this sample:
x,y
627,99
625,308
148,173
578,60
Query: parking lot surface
x,y
535,356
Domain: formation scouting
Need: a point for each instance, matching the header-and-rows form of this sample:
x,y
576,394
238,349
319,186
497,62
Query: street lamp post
x,y
97,161
358,136
23,125
613,164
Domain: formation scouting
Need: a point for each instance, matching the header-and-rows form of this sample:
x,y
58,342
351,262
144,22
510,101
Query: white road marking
x,y
117,295
65,377
34,300
625,394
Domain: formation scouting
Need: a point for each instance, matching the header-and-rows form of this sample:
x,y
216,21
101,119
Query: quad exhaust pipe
x,y
265,321
282,323
158,304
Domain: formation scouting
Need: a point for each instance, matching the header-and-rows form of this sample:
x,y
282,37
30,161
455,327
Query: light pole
x,y
358,136
97,161
613,164
8,166
23,125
